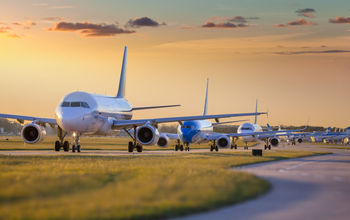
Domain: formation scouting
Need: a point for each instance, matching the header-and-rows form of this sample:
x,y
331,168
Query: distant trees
x,y
13,128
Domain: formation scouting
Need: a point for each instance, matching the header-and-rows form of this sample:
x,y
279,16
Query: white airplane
x,y
198,131
252,132
82,113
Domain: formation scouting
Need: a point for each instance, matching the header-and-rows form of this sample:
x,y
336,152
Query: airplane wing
x,y
22,118
170,135
152,107
118,124
261,134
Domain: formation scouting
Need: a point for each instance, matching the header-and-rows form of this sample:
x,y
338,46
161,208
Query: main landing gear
x,y
214,146
179,146
234,146
133,144
187,148
61,143
267,145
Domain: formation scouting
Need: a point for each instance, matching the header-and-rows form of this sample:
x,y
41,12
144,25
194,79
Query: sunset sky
x,y
294,56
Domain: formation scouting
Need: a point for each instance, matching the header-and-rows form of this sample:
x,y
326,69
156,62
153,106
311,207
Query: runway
x,y
303,188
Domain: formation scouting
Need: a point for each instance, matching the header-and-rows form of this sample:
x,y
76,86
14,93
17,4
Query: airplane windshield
x,y
186,126
245,128
75,104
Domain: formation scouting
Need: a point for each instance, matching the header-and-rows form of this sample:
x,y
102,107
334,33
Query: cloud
x,y
227,25
299,22
90,29
143,22
306,12
311,52
340,20
26,25
4,29
53,19
228,22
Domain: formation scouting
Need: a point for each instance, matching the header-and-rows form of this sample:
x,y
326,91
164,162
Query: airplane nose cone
x,y
70,121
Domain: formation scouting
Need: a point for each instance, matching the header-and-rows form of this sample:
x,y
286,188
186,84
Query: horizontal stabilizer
x,y
152,107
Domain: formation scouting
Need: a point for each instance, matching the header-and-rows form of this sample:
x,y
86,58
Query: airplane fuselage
x,y
249,128
192,131
91,114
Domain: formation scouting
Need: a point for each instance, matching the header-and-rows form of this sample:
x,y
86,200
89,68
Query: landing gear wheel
x,y
211,148
246,148
73,148
66,146
176,147
131,147
216,148
57,146
269,147
181,147
139,148
78,148
265,147
235,146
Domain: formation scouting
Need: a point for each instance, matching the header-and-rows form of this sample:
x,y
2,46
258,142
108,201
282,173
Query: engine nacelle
x,y
163,141
33,133
274,141
147,134
223,142
300,140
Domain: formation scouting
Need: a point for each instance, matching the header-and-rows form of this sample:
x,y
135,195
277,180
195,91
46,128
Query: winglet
x,y
206,99
256,111
121,89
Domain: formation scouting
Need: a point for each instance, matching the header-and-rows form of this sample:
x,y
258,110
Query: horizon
x,y
290,55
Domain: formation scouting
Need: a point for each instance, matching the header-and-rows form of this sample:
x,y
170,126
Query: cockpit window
x,y
65,104
186,126
246,128
85,105
75,104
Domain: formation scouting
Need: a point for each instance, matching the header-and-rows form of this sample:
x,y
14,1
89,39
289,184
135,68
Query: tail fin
x,y
256,111
268,127
206,99
121,89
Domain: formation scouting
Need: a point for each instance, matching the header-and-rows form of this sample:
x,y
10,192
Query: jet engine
x,y
223,142
163,140
33,133
300,140
274,141
147,134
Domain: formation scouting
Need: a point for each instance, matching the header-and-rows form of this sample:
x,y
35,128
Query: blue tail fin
x,y
121,89
256,111
206,99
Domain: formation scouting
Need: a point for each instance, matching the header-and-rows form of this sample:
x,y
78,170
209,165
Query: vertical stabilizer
x,y
256,111
121,89
206,99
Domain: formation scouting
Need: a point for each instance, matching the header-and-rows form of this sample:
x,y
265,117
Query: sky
x,y
293,56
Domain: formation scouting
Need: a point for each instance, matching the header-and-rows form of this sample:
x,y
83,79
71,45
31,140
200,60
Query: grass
x,y
89,143
127,187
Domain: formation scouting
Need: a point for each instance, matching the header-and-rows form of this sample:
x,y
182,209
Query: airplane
x,y
329,136
253,132
198,131
82,113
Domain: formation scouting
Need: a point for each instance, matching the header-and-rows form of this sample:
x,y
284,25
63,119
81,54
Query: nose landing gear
x,y
76,146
